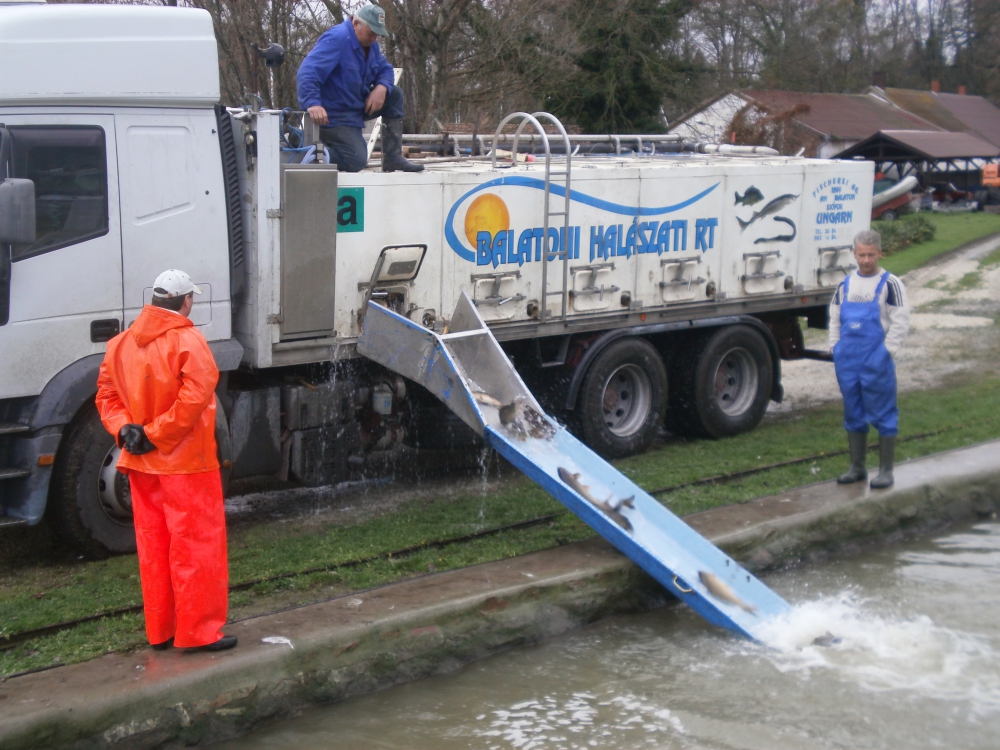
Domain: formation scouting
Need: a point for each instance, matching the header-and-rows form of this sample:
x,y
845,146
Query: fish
x,y
750,197
827,639
487,399
771,208
510,412
780,237
722,592
613,511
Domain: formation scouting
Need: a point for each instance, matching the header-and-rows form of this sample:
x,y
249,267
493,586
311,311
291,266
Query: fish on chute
x,y
512,411
722,592
771,208
750,197
517,416
613,511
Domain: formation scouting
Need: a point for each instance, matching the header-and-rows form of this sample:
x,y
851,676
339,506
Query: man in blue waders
x,y
869,318
346,80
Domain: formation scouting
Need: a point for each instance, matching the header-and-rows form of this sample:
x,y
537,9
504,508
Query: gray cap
x,y
374,16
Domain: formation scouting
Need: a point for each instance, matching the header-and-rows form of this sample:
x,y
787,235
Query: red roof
x,y
945,145
928,145
842,116
977,114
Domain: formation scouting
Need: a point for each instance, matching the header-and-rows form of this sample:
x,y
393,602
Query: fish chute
x,y
468,371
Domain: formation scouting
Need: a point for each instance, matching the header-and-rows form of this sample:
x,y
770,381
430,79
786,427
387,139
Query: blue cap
x,y
374,16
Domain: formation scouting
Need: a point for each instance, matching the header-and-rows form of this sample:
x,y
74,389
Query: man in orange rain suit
x,y
156,395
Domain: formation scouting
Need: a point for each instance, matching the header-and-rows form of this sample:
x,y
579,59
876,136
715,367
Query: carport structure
x,y
932,156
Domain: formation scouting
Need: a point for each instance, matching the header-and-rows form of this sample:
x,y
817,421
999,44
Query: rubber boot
x,y
857,444
886,456
392,149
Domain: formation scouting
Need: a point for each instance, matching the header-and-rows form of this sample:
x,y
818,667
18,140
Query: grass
x,y
993,259
42,589
952,230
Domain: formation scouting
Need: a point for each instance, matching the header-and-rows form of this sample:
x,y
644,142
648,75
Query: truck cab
x,y
113,123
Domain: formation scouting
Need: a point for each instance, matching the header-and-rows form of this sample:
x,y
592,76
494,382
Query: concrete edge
x,y
434,624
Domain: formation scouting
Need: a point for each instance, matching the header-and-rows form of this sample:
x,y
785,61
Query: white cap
x,y
174,283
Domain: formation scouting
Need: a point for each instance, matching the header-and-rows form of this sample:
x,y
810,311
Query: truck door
x,y
65,289
173,210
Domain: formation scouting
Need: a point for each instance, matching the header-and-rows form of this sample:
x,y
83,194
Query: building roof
x,y
842,116
977,114
955,112
921,145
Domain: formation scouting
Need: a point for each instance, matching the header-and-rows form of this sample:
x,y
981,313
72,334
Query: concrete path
x,y
367,641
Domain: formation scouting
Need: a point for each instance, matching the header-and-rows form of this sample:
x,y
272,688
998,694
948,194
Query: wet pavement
x,y
369,640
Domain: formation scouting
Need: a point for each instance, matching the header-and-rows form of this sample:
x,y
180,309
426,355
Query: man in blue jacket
x,y
346,80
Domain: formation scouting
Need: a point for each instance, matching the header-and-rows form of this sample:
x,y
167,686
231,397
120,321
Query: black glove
x,y
133,439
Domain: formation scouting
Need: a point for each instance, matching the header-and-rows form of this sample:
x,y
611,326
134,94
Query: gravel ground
x,y
955,305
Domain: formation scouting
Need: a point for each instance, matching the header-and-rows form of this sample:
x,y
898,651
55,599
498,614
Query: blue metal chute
x,y
469,372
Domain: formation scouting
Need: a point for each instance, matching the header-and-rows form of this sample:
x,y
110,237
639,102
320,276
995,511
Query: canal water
x,y
917,666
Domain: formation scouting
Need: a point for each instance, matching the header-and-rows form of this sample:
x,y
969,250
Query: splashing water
x,y
917,666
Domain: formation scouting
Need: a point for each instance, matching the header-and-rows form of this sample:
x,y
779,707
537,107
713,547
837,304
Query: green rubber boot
x,y
857,444
886,457
392,149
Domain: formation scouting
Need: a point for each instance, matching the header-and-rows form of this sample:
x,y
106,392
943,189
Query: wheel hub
x,y
113,489
736,381
628,396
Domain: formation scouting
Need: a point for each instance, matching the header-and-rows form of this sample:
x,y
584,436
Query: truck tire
x,y
90,506
722,384
623,399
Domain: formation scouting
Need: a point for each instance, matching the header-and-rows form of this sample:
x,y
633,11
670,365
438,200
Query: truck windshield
x,y
69,168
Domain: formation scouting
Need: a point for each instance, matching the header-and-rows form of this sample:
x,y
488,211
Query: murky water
x,y
918,666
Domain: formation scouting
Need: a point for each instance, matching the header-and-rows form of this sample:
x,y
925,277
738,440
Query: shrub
x,y
903,232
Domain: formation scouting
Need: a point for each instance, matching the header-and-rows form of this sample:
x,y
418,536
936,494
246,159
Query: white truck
x,y
657,281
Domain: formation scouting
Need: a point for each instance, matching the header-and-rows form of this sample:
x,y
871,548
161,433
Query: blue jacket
x,y
336,75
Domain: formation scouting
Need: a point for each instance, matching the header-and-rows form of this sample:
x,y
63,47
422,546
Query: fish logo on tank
x,y
492,240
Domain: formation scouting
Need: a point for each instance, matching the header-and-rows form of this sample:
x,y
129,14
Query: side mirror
x,y
17,211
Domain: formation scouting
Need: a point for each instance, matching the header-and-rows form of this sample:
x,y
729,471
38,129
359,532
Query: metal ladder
x,y
547,212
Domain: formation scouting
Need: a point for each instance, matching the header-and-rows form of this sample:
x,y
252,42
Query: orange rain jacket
x,y
161,374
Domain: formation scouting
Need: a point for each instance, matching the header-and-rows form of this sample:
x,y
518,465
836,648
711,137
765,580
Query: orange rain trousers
x,y
180,526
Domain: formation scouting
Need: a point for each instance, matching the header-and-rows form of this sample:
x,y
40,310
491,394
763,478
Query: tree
x,y
623,68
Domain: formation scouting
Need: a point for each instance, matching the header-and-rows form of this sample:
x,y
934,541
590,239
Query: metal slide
x,y
469,372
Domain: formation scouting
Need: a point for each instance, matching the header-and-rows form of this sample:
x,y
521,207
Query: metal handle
x,y
761,276
681,282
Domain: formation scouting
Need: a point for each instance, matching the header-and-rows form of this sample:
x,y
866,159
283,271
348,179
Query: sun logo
x,y
487,213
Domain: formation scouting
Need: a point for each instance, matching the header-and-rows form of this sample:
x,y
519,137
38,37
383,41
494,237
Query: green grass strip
x,y
953,230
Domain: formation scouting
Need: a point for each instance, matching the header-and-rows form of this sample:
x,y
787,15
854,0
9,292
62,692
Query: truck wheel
x,y
90,506
623,399
723,384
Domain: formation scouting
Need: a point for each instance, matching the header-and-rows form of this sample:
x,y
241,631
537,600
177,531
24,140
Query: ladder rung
x,y
463,334
558,174
558,213
12,428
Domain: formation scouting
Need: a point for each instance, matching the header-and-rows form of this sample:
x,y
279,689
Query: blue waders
x,y
867,378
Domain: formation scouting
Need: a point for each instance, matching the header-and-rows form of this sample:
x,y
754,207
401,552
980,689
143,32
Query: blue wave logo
x,y
558,191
